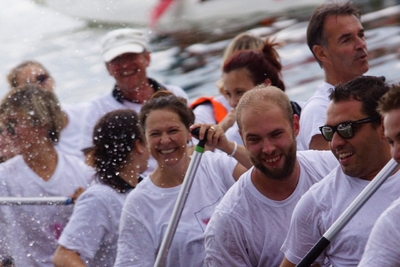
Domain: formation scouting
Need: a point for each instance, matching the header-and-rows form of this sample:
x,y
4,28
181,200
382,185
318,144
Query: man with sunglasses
x,y
336,38
383,244
356,137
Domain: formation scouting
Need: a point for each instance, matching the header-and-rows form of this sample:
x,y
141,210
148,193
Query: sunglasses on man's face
x,y
42,78
345,129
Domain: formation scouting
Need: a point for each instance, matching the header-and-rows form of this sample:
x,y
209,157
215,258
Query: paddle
x,y
348,214
18,201
181,200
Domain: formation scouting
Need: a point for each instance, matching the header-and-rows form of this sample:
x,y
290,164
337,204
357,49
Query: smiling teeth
x,y
167,151
343,155
272,160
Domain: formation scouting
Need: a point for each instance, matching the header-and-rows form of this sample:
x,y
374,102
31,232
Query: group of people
x,y
265,191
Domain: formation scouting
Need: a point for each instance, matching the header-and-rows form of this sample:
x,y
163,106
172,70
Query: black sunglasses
x,y
42,78
9,127
345,129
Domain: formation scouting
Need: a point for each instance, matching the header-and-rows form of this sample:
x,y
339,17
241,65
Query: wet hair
x,y
261,64
390,100
366,89
114,138
242,41
12,77
261,97
165,100
40,107
316,26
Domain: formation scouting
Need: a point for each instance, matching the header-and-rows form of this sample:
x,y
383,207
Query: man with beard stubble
x,y
249,225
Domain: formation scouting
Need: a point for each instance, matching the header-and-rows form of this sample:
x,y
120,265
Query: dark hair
x,y
12,77
42,107
114,137
316,26
390,100
261,64
165,100
366,89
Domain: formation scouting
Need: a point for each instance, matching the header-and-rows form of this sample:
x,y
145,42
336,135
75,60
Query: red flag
x,y
158,10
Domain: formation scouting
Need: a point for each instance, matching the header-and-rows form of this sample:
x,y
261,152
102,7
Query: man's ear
x,y
296,124
319,52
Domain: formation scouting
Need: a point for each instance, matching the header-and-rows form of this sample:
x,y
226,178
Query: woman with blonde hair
x,y
216,109
31,122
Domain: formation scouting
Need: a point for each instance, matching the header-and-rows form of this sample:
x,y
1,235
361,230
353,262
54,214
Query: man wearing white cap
x,y
126,54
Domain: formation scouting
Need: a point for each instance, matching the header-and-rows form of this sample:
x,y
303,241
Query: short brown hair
x,y
260,96
316,26
390,100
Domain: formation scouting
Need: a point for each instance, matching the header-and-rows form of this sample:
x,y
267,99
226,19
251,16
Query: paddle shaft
x,y
18,201
348,214
180,203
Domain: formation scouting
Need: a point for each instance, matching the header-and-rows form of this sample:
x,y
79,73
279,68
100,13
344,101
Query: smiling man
x,y
249,225
127,56
356,137
336,38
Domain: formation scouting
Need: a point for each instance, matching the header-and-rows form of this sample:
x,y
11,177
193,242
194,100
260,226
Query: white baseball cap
x,y
121,41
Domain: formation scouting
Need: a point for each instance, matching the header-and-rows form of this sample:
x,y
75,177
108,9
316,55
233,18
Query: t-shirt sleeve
x,y
303,231
312,117
86,229
204,113
382,248
224,242
135,242
220,167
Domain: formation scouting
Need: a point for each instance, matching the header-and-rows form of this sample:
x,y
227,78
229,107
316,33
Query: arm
x,y
64,257
228,121
217,139
319,143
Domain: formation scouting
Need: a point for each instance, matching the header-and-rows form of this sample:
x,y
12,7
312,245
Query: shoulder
x,y
178,91
235,197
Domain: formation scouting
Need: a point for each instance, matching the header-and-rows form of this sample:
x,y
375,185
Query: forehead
x,y
31,69
162,118
262,120
239,78
391,123
335,26
343,111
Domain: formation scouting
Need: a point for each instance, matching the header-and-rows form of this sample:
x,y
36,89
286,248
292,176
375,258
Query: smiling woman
x,y
146,213
32,119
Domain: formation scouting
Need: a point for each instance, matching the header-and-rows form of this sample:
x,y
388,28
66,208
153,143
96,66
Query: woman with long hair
x,y
31,122
246,69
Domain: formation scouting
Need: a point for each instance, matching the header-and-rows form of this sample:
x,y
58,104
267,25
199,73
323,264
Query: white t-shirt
x,y
71,136
205,112
29,233
148,208
383,244
107,103
322,205
247,228
313,115
92,230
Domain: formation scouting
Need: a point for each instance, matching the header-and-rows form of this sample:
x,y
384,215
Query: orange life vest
x,y
219,110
